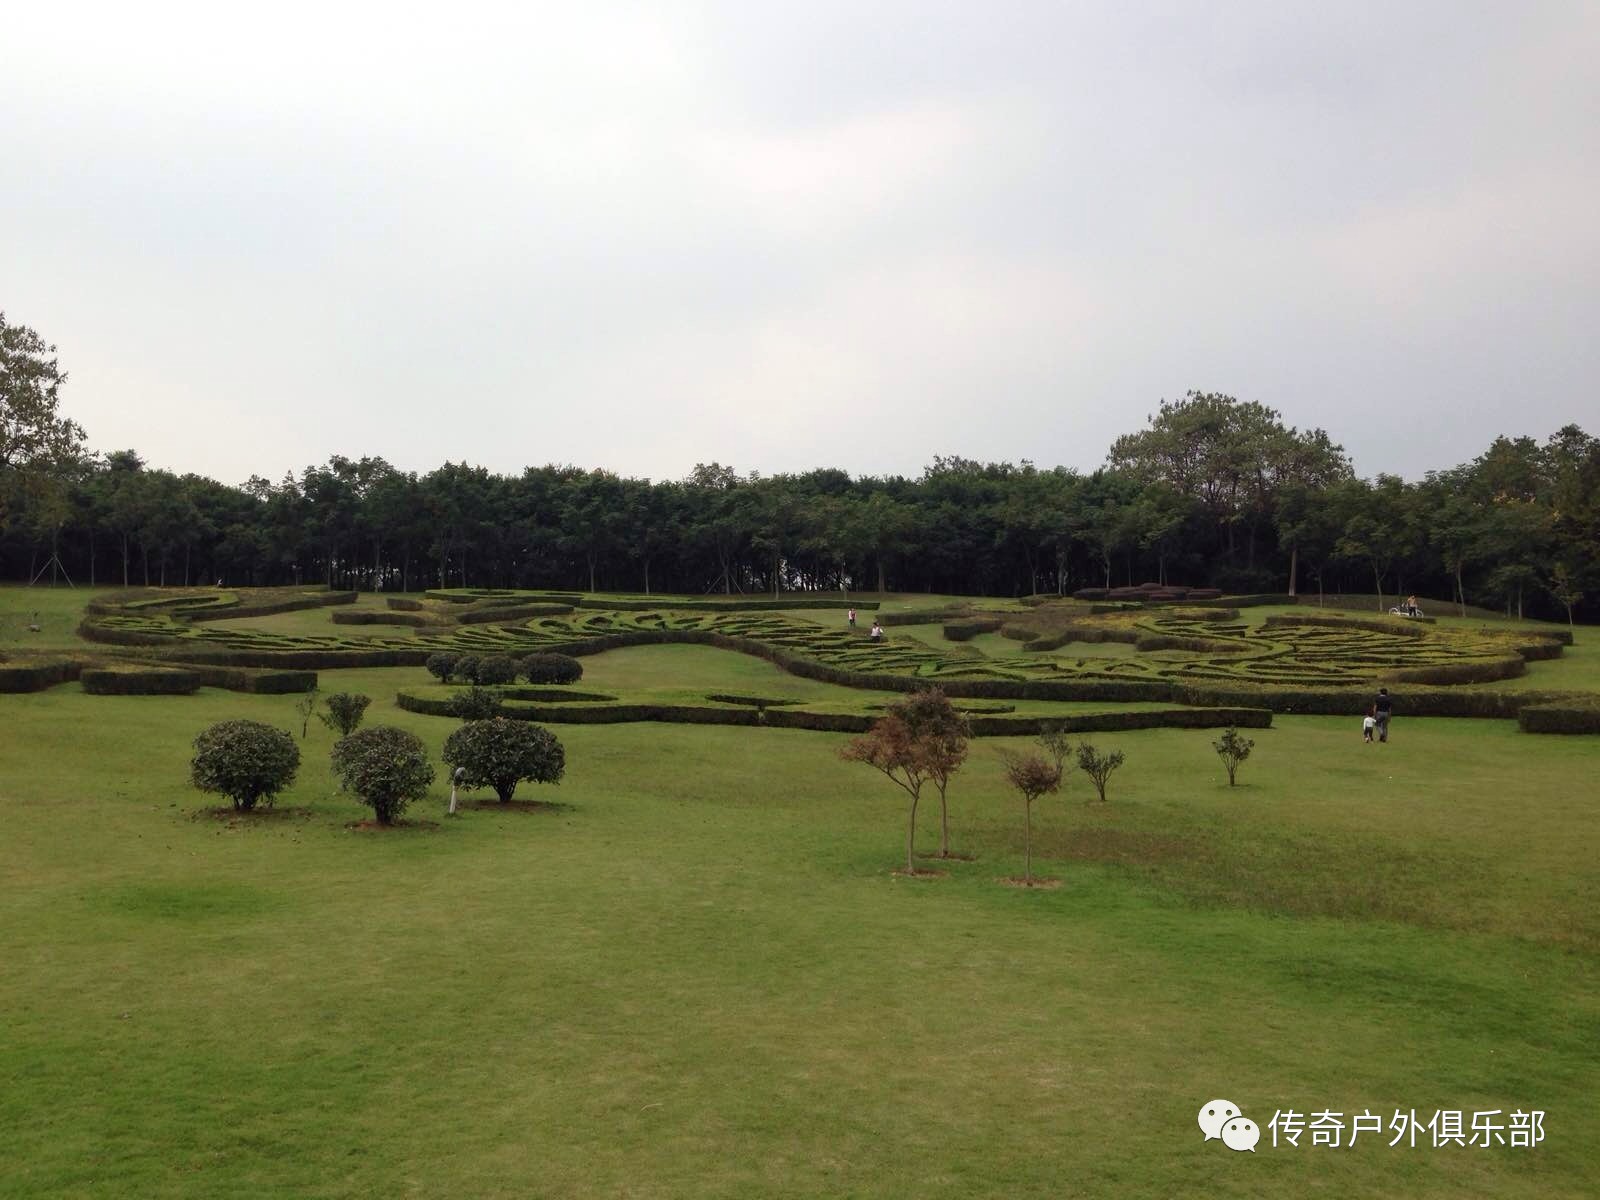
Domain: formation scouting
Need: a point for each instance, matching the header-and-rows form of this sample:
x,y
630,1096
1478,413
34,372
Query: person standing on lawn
x,y
1382,708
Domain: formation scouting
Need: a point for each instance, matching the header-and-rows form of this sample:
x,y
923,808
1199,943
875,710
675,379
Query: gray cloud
x,y
801,235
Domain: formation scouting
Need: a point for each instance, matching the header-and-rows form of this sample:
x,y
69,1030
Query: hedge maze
x,y
1203,656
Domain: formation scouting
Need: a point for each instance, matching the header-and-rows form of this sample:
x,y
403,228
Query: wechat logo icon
x,y
1221,1120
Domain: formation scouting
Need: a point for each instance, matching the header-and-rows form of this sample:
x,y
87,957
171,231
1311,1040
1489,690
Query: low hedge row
x,y
1560,718
965,631
1481,671
1085,633
404,604
368,616
744,604
925,616
785,718
754,701
1354,701
513,612
272,607
35,675
1400,626
138,681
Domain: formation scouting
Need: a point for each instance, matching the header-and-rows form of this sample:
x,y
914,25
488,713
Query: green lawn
x,y
696,975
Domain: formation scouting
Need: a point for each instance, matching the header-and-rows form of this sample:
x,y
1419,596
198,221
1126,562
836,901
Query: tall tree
x,y
38,446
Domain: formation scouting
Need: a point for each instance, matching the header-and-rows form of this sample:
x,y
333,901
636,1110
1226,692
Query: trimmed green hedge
x,y
747,604
965,631
512,612
788,718
138,681
35,675
368,616
271,607
1560,718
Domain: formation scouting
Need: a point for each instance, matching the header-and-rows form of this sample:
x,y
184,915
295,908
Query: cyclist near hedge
x,y
1381,709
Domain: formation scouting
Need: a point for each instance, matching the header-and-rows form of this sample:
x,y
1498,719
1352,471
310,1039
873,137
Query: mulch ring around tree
x,y
370,826
261,815
919,873
1038,884
953,856
515,805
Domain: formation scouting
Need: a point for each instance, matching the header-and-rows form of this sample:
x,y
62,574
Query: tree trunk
x,y
647,577
944,826
1378,579
1461,592
911,836
144,554
186,549
1294,568
881,588
91,557
591,558
1027,844
124,560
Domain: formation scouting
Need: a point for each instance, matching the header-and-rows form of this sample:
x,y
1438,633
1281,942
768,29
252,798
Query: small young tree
x,y
496,669
305,706
386,767
551,668
500,753
1053,740
466,668
1232,750
245,761
1033,777
475,704
343,712
890,747
943,732
442,665
1097,766
1563,586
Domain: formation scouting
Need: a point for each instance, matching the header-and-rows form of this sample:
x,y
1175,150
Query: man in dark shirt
x,y
1382,709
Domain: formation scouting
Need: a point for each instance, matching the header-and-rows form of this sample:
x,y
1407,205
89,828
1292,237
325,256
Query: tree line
x,y
1213,491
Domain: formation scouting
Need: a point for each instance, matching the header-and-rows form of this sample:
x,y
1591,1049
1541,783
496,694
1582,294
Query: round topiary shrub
x,y
442,665
386,767
500,753
245,761
466,668
496,669
552,668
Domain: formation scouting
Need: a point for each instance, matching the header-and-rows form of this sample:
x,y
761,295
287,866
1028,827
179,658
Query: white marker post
x,y
455,782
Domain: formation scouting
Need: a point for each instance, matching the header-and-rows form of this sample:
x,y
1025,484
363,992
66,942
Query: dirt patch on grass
x,y
397,827
919,873
1038,883
952,857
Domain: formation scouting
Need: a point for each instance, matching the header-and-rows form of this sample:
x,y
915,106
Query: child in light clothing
x,y
1368,724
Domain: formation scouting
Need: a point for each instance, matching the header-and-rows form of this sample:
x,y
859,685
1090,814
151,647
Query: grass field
x,y
693,973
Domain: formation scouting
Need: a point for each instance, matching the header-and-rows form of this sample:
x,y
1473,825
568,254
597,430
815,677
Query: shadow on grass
x,y
514,805
229,815
1347,877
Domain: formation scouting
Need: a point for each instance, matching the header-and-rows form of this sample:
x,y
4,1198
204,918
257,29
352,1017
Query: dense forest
x,y
1213,491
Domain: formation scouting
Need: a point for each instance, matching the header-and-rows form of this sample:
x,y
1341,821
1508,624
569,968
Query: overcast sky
x,y
779,236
